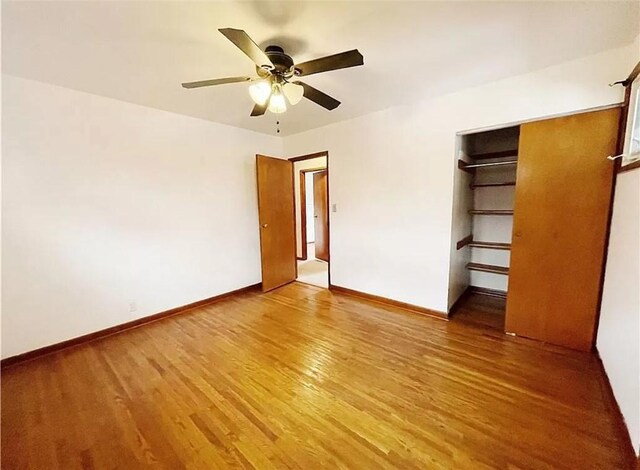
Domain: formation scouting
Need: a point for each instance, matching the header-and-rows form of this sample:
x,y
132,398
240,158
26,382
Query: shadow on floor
x,y
480,310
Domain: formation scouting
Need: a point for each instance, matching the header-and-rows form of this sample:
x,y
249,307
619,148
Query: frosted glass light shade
x,y
260,92
277,103
293,92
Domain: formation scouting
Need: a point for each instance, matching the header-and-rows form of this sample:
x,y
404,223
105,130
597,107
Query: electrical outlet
x,y
132,306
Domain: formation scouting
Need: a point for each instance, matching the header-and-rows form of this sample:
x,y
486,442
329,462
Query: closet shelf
x,y
501,154
464,242
469,241
488,268
490,212
471,167
490,245
501,294
490,164
491,185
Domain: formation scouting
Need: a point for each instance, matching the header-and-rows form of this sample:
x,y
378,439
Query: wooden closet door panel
x,y
561,214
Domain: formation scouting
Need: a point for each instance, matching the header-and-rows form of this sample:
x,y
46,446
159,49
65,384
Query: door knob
x,y
265,225
315,216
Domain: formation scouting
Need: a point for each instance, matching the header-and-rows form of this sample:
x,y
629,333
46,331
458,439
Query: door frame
x,y
303,208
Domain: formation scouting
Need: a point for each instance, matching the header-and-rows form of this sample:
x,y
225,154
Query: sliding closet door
x,y
561,212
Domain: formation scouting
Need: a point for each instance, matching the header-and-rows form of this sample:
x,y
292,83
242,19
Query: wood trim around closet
x,y
631,166
623,121
633,75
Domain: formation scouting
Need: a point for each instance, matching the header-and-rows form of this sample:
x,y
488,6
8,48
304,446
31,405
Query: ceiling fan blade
x,y
319,97
259,110
246,45
331,62
216,81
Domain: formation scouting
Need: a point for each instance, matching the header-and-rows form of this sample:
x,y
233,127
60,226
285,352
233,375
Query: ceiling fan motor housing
x,y
283,64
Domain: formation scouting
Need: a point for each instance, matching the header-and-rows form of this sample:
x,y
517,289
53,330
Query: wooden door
x,y
321,215
277,221
561,213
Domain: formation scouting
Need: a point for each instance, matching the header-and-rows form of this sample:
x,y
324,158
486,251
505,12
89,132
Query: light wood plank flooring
x,y
305,378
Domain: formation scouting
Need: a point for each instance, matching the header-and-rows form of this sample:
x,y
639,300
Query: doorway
x,y
289,251
312,218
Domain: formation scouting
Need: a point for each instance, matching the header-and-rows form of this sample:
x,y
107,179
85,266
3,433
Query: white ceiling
x,y
140,52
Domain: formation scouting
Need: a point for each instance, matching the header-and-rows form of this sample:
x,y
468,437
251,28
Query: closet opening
x,y
485,190
531,208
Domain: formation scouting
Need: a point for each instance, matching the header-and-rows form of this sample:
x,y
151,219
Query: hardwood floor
x,y
481,310
305,378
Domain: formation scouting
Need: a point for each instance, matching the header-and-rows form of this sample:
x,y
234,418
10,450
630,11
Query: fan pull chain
x,y
278,127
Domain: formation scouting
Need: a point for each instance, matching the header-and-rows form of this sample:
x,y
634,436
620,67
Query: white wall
x,y
1,127
319,162
392,172
461,226
619,328
107,203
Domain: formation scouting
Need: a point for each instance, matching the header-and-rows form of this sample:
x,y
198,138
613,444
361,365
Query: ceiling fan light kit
x,y
277,103
260,92
278,73
293,92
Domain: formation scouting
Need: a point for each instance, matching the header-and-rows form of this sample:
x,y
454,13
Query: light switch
x,y
334,208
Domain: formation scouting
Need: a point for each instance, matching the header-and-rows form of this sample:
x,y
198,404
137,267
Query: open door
x,y
277,221
321,215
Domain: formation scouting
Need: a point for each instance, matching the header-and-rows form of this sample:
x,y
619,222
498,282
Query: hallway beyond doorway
x,y
313,271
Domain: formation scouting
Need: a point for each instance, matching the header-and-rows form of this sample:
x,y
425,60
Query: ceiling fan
x,y
277,75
